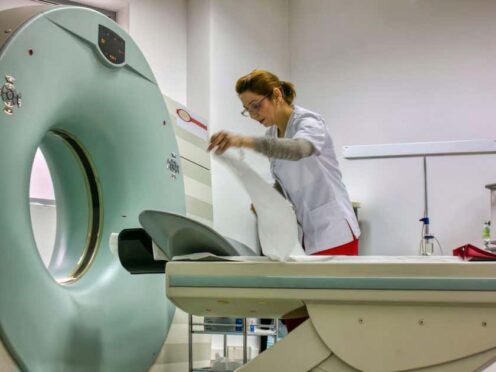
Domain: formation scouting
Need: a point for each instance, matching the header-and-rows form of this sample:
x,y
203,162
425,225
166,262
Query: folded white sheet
x,y
276,222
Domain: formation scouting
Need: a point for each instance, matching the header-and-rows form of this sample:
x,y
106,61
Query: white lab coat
x,y
314,186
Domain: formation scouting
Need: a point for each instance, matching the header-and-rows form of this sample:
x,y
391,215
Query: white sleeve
x,y
312,129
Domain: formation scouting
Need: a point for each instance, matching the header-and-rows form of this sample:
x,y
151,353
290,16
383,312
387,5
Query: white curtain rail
x,y
420,149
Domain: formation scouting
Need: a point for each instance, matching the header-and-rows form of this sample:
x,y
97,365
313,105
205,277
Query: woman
x,y
302,161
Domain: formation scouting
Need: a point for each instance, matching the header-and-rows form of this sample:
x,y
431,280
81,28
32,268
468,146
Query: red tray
x,y
470,253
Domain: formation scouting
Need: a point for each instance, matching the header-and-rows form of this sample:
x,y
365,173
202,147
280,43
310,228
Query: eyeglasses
x,y
254,107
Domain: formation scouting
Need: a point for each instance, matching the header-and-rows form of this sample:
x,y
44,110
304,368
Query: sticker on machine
x,y
192,123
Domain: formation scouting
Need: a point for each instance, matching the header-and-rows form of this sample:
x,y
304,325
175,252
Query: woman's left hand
x,y
221,141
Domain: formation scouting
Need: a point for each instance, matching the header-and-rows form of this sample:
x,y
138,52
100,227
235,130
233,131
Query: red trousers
x,y
348,249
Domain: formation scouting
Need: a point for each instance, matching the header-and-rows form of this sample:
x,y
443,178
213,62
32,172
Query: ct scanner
x,y
78,87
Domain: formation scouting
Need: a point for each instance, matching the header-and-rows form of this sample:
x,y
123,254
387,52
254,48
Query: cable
x,y
440,248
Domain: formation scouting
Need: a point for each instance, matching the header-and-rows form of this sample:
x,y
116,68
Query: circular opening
x,y
65,207
42,206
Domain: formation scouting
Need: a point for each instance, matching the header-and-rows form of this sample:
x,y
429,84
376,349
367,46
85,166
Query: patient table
x,y
365,313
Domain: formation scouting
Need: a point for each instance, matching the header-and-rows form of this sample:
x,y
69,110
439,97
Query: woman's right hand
x,y
221,141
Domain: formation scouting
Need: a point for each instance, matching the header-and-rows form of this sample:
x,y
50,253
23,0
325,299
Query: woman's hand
x,y
221,141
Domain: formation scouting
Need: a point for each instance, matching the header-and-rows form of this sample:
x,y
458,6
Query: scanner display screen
x,y
112,45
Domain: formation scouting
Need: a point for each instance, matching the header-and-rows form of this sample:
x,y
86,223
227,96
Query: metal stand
x,y
427,238
244,333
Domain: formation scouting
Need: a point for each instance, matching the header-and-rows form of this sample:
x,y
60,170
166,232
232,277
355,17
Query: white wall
x,y
159,28
244,35
7,4
384,71
198,56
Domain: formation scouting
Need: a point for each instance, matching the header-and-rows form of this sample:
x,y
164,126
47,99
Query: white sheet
x,y
334,259
276,222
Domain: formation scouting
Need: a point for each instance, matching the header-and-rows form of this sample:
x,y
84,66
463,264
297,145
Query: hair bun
x,y
288,91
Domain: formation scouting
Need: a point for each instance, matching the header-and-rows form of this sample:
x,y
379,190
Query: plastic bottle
x,y
429,245
486,234
252,325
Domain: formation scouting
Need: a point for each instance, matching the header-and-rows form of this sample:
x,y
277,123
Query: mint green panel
x,y
107,320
